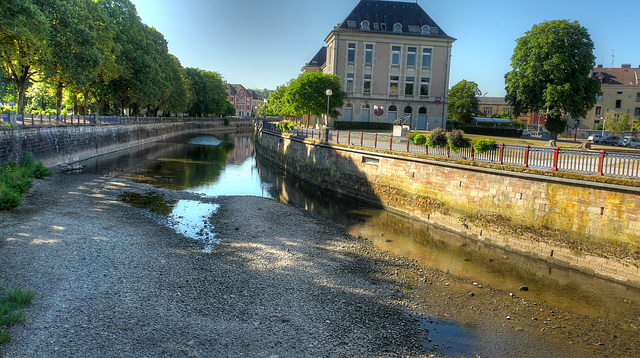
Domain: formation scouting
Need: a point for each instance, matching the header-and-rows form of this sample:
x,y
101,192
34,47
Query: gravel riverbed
x,y
111,280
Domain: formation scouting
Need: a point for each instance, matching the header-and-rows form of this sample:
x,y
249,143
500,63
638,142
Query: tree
x,y
23,48
277,104
463,102
550,73
618,123
307,94
210,92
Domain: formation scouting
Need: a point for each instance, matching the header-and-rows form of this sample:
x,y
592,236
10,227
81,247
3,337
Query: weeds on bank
x,y
17,178
12,305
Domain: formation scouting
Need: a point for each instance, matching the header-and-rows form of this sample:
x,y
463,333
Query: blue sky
x,y
265,43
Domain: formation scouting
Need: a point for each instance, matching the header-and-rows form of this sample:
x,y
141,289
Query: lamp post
x,y
378,110
329,92
604,122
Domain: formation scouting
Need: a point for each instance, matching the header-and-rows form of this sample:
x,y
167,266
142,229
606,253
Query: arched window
x,y
364,25
365,106
422,110
349,105
397,27
393,109
425,29
408,110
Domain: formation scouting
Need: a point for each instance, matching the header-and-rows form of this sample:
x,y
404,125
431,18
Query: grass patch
x,y
17,178
12,305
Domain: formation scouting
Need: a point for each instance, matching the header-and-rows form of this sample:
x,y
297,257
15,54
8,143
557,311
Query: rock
x,y
524,288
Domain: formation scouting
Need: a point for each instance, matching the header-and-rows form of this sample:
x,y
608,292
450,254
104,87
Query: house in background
x,y
389,55
619,94
242,99
490,106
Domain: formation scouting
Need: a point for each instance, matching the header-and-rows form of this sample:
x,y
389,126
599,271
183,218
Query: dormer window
x,y
425,29
397,27
414,29
383,26
376,26
364,25
351,24
433,31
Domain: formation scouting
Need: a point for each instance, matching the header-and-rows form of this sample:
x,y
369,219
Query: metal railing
x,y
36,120
612,164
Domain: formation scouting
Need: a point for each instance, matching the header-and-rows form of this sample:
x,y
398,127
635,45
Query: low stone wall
x,y
517,211
68,144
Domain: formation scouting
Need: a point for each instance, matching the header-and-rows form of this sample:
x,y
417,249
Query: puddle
x,y
191,218
154,202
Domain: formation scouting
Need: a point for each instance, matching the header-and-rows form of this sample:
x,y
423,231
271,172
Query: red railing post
x,y
554,165
375,140
526,156
600,162
349,137
471,157
390,141
361,137
426,149
501,153
32,122
40,118
408,145
337,136
448,152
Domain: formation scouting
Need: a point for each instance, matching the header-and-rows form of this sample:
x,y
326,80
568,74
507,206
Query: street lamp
x,y
378,110
329,92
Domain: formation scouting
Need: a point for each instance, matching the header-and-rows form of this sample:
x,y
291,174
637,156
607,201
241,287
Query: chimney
x,y
626,66
600,66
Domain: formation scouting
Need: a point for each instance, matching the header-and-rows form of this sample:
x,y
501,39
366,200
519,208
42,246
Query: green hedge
x,y
498,132
383,126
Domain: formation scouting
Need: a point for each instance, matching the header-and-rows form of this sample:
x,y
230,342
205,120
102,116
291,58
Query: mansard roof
x,y
623,76
319,59
382,15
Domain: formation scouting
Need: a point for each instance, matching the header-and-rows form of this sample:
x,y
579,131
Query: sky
x,y
264,43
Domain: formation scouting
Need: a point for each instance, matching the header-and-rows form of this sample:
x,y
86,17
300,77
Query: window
x,y
408,86
351,24
637,114
367,84
349,86
393,84
364,25
351,53
383,25
638,97
426,57
395,55
414,29
397,27
368,54
411,56
599,98
618,103
598,110
425,29
488,111
619,93
424,86
376,26
509,111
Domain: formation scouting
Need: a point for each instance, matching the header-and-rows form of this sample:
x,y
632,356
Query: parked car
x,y
633,143
609,140
623,142
593,137
526,133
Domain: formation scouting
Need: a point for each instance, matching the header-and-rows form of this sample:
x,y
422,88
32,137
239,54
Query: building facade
x,y
619,94
393,62
490,106
245,101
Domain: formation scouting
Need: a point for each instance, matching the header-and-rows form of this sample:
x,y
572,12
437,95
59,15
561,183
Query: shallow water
x,y
213,166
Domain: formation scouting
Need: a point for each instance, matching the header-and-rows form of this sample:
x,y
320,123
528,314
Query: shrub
x,y
226,121
456,140
480,145
411,135
420,139
285,125
437,138
16,180
9,197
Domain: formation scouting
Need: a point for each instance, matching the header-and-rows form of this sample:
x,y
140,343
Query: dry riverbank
x,y
111,280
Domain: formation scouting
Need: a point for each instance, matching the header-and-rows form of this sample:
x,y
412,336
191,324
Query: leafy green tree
x,y
277,104
23,48
618,123
550,72
210,91
463,102
307,94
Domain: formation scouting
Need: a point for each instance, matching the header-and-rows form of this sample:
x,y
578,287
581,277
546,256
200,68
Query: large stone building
x,y
245,101
620,94
389,55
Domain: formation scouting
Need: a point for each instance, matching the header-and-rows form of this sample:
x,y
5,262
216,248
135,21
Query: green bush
x,y
480,145
420,139
437,138
16,180
9,197
490,131
456,140
285,125
411,135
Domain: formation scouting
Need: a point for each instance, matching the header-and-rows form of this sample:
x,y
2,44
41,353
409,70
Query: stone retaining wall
x,y
68,144
445,194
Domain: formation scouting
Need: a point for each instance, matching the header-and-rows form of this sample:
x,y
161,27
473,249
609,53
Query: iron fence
x,y
35,120
612,164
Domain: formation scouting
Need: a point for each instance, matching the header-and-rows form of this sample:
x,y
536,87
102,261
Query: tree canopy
x,y
98,51
550,73
463,102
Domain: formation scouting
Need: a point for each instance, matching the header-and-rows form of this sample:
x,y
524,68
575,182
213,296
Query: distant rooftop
x,y
623,76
